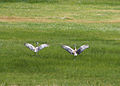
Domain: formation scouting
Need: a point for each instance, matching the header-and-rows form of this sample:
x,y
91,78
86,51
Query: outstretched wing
x,y
42,46
67,48
82,48
30,46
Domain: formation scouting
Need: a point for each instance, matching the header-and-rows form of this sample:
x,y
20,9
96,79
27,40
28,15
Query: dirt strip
x,y
47,20
114,11
85,21
19,19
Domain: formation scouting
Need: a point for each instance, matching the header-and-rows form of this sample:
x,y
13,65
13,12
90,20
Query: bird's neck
x,y
75,48
37,44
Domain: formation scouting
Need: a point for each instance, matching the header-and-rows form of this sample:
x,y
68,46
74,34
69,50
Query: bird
x,y
37,48
75,51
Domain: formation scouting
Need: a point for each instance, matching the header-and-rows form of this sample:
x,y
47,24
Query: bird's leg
x,y
36,53
74,58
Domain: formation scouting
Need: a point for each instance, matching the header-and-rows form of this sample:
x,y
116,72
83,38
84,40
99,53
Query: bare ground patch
x,y
22,19
109,11
86,21
48,20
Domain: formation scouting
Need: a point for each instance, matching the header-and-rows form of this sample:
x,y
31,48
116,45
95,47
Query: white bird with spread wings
x,y
75,51
37,48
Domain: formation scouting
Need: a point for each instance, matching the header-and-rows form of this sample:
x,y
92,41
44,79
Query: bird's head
x,y
37,43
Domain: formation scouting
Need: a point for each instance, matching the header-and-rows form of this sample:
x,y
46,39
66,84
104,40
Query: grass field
x,y
96,23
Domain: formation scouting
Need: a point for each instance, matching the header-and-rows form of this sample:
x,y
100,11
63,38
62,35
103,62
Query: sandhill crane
x,y
37,48
75,51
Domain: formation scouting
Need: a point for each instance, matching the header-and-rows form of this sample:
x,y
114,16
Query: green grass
x,y
97,66
110,2
57,11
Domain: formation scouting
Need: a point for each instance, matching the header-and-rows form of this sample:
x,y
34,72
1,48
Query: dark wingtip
x,y
88,45
24,43
48,45
62,46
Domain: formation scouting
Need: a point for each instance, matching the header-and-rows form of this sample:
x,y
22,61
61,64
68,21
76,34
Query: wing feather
x,y
30,46
67,48
42,46
82,48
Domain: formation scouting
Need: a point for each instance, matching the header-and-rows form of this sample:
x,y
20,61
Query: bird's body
x,y
37,48
75,51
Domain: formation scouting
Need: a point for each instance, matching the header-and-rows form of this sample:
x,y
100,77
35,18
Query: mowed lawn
x,y
56,24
